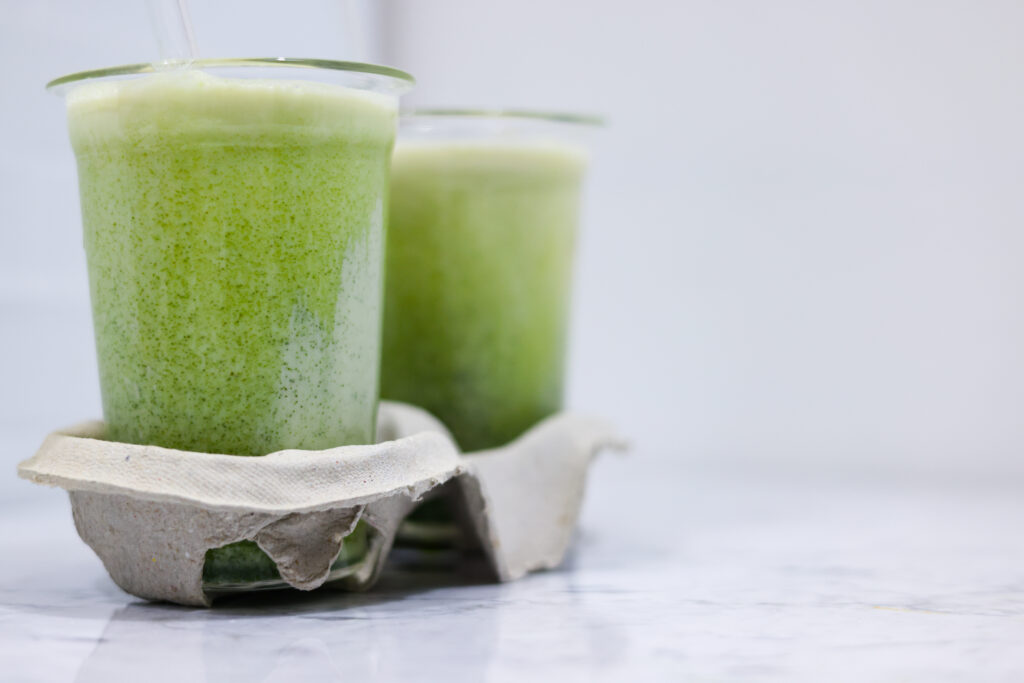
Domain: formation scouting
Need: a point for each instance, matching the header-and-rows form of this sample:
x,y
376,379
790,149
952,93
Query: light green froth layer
x,y
480,251
194,108
234,234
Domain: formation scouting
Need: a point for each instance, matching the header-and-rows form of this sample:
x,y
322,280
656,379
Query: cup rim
x,y
398,81
573,118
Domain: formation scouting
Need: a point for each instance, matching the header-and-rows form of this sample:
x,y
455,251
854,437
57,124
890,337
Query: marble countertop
x,y
680,574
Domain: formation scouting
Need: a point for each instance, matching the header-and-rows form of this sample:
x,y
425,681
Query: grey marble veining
x,y
732,577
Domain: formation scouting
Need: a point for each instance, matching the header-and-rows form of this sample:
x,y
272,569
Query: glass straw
x,y
173,29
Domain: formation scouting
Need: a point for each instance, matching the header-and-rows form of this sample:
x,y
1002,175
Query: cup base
x,y
243,567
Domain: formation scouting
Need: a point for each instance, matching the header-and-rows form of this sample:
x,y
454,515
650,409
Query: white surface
x,y
735,577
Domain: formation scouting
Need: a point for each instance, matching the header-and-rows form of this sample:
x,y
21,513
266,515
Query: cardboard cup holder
x,y
151,514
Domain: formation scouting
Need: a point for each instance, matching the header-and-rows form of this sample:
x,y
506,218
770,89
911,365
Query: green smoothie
x,y
479,257
233,231
234,235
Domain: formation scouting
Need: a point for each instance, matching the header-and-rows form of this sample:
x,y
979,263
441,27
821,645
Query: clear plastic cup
x,y
482,231
233,215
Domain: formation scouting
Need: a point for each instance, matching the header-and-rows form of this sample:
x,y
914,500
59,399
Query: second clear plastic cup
x,y
483,222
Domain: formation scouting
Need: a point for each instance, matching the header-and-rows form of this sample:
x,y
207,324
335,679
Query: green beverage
x,y
234,233
480,252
